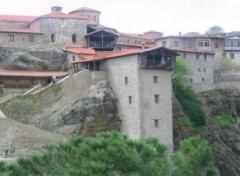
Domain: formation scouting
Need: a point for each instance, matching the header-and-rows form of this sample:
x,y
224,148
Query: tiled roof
x,y
101,55
84,9
17,18
27,31
79,50
191,51
11,73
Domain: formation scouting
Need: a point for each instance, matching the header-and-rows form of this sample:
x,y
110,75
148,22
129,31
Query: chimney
x,y
56,9
179,33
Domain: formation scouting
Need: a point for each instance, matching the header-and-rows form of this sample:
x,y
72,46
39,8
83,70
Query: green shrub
x,y
224,120
186,95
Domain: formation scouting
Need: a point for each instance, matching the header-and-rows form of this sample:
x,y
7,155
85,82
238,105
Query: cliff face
x,y
35,58
224,137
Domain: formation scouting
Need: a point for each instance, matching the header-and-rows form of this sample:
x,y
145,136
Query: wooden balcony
x,y
101,44
165,64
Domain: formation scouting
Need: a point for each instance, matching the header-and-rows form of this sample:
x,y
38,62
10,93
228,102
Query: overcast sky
x,y
139,16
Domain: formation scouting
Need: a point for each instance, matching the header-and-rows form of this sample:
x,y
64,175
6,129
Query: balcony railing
x,y
104,44
156,64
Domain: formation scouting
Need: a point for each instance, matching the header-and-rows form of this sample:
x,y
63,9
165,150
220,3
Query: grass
x,y
22,107
224,120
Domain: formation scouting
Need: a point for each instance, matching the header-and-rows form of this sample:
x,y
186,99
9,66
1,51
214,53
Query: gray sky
x,y
138,16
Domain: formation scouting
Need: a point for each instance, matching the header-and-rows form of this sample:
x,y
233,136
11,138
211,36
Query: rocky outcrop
x,y
17,139
38,58
93,112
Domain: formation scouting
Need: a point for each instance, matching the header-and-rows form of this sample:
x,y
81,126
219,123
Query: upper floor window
x,y
126,80
155,79
164,43
228,43
73,58
156,123
156,98
128,41
130,99
232,55
74,38
175,43
216,45
200,43
31,38
94,18
205,57
189,44
235,43
52,38
11,38
206,43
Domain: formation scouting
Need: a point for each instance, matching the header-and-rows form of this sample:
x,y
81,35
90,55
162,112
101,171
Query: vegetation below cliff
x,y
94,156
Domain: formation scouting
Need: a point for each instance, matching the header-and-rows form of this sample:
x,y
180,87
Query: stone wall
x,y
19,40
62,29
156,105
119,70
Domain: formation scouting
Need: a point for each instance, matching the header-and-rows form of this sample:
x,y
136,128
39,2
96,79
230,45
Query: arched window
x,y
52,38
74,38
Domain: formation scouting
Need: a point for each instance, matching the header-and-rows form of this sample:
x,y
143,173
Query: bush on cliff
x,y
186,95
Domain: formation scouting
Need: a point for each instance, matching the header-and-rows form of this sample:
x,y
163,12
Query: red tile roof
x,y
84,9
27,31
61,15
101,55
80,50
12,73
17,18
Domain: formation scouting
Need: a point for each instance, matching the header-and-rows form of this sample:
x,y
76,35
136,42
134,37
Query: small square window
x,y
164,43
205,69
156,97
155,79
199,69
202,79
206,43
126,80
191,80
130,99
200,43
156,123
175,43
11,38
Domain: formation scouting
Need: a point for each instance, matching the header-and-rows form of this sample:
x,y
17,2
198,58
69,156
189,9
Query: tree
x,y
186,95
215,30
112,154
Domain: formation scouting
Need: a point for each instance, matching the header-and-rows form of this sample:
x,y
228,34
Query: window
x,y
130,99
216,45
73,58
31,38
164,43
156,97
191,80
94,18
126,80
11,38
202,79
205,69
200,43
205,56
197,56
235,43
155,79
156,123
206,43
228,43
52,38
175,43
88,16
199,69
135,41
184,55
74,38
128,41
189,44
231,55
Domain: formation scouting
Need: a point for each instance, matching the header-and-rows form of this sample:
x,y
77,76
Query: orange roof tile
x,y
80,50
11,73
28,31
17,18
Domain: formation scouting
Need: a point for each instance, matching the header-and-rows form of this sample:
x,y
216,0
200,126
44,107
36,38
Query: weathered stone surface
x,y
76,117
17,139
38,58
